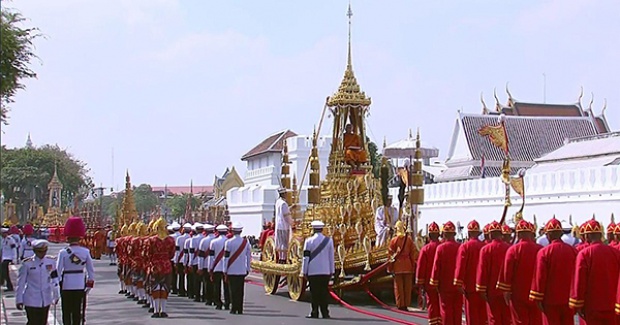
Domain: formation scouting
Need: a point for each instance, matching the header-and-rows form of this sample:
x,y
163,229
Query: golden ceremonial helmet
x,y
400,228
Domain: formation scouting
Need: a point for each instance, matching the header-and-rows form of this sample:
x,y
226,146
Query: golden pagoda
x,y
128,213
54,215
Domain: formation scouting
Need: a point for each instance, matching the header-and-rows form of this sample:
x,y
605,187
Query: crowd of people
x,y
503,279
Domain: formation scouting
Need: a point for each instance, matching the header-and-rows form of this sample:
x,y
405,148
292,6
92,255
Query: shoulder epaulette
x,y
53,257
31,258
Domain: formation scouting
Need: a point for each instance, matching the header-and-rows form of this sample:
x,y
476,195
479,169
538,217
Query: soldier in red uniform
x,y
617,235
161,250
423,274
122,260
442,278
555,267
594,289
465,275
516,277
487,275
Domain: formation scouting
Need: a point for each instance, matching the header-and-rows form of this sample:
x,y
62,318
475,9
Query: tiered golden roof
x,y
128,214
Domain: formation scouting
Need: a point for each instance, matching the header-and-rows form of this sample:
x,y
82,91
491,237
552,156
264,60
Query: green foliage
x,y
16,53
146,200
25,173
178,203
375,160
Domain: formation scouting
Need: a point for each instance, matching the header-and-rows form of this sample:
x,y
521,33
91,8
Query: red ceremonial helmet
x,y
485,230
617,229
448,227
523,226
74,227
611,228
553,225
506,230
28,230
13,230
433,228
473,226
592,226
494,226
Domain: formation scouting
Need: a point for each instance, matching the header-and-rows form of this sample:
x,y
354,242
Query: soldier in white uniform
x,y
318,267
237,258
9,255
284,225
111,245
385,219
203,264
196,279
179,257
216,268
37,284
72,262
173,229
25,246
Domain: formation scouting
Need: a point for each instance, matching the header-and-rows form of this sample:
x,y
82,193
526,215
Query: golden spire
x,y
349,92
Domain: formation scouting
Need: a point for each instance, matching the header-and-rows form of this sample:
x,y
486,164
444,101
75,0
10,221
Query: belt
x,y
185,251
177,248
73,272
192,250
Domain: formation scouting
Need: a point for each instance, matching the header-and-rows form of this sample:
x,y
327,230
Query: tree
x,y
16,53
178,203
146,200
25,173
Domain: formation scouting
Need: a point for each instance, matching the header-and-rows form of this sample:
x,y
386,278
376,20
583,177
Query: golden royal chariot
x,y
346,201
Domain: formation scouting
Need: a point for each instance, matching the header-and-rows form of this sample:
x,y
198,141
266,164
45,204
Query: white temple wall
x,y
579,192
254,203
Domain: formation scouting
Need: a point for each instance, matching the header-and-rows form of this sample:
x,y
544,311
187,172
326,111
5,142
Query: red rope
x,y
369,313
396,310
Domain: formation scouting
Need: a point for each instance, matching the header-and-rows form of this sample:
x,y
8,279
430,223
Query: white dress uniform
x,y
9,255
216,268
73,261
175,276
37,285
25,248
194,281
283,227
18,241
179,256
203,264
385,217
318,266
237,258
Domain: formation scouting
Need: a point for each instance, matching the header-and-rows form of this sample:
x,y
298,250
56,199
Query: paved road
x,y
106,306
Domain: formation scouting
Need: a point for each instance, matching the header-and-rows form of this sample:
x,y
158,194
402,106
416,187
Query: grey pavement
x,y
106,306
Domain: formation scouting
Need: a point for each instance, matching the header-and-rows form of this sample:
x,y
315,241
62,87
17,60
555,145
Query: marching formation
x,y
200,262
506,280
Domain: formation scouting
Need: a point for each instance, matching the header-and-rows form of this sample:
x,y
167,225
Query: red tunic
x,y
465,275
516,277
596,280
489,266
581,246
160,252
552,279
423,274
451,301
137,260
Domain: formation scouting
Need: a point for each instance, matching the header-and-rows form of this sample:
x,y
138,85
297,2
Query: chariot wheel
x,y
295,283
271,281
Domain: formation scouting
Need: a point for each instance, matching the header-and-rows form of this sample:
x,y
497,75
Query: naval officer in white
x,y
37,284
216,268
203,264
318,267
237,258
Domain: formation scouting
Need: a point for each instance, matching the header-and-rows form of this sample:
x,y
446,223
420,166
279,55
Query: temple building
x,y
253,203
571,163
533,130
216,208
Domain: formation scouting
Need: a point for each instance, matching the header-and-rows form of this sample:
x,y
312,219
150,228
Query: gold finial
x,y
418,145
497,104
510,99
485,110
349,92
384,142
580,96
349,14
604,106
410,135
612,218
591,102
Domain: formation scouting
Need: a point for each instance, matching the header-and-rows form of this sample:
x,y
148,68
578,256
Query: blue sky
x,y
180,90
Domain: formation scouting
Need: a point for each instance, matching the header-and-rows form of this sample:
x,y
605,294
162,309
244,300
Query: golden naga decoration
x,y
345,201
498,136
